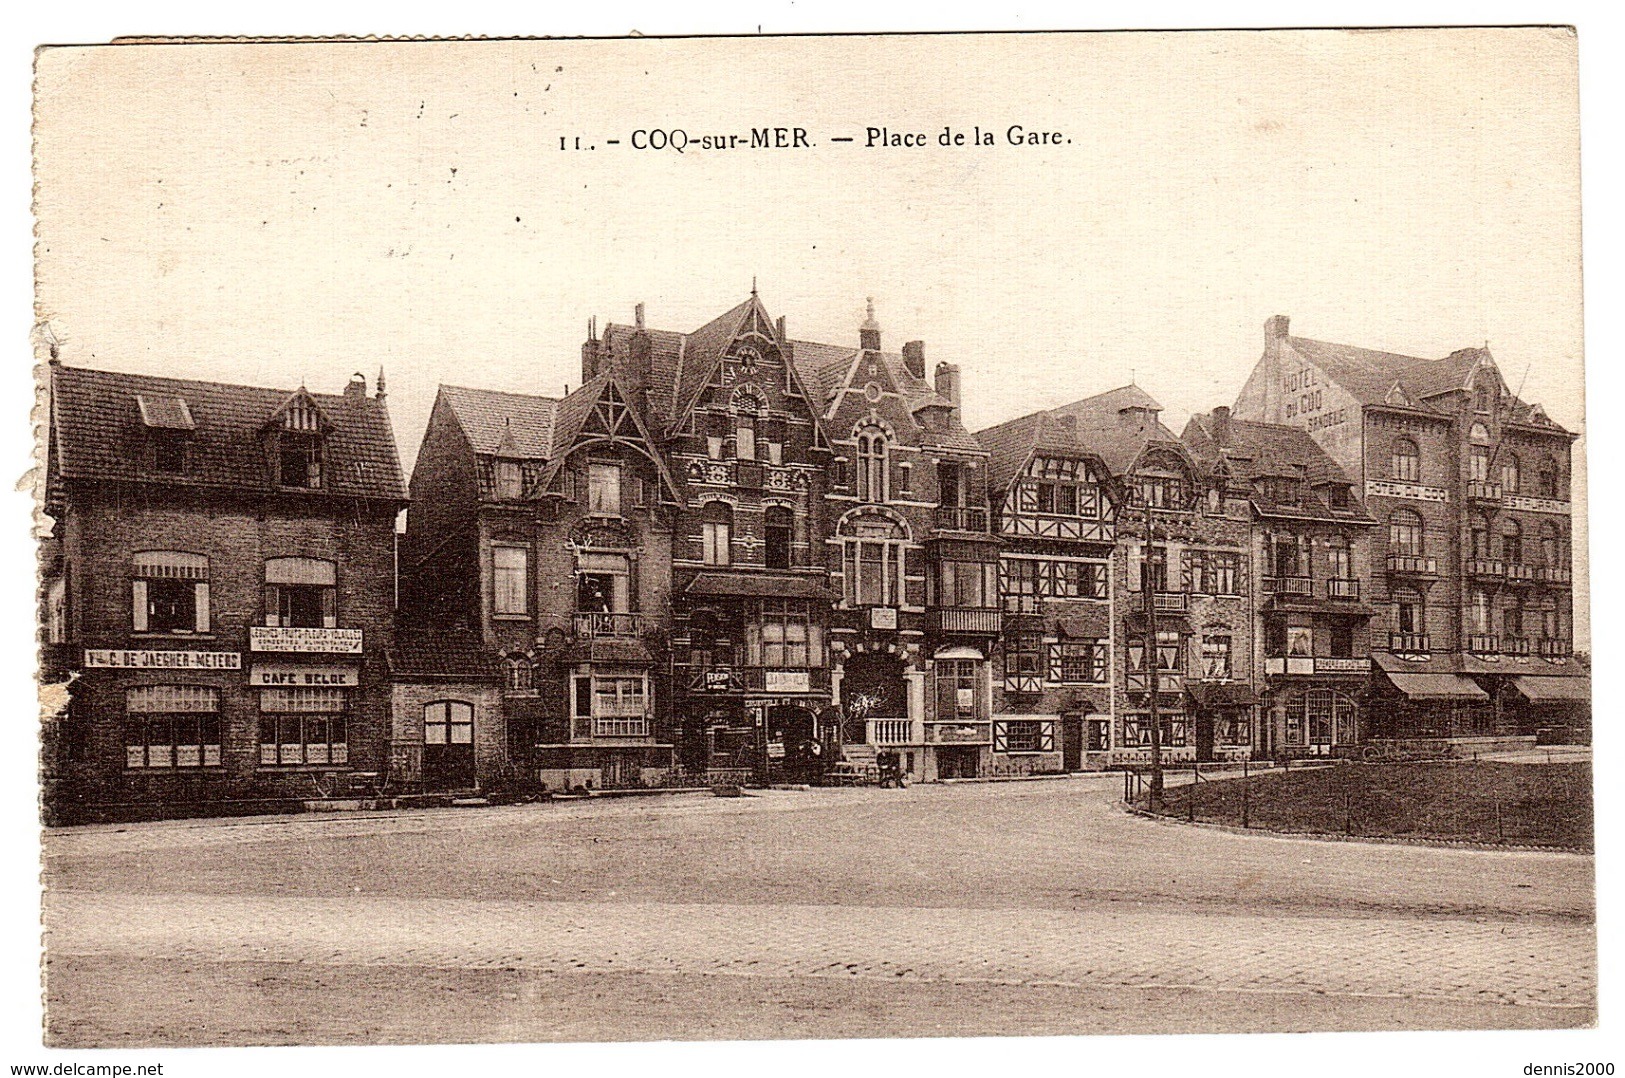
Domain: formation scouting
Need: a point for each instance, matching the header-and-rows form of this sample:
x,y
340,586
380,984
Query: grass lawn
x,y
1523,804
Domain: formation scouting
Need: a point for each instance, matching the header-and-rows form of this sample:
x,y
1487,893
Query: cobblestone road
x,y
1043,886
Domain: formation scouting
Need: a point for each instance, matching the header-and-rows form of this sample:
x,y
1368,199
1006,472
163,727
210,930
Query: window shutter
x,y
1136,559
330,604
138,605
273,605
200,599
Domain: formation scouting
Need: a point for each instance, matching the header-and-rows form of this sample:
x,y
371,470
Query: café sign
x,y
275,675
163,660
309,641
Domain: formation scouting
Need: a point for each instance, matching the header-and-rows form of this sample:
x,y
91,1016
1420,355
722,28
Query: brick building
x,y
218,584
1310,556
1054,509
544,525
1472,564
911,558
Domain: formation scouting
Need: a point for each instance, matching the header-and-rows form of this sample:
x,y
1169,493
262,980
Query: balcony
x,y
599,626
1412,565
1409,642
1167,681
1290,585
1519,573
890,732
1515,645
1484,643
1338,588
1484,493
962,518
1168,602
1555,574
620,727
957,620
1486,567
1553,649
959,733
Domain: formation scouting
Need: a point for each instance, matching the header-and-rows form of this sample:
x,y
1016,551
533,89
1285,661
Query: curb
x,y
1370,840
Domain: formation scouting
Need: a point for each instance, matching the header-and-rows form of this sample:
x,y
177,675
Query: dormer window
x,y
299,460
509,480
168,450
169,425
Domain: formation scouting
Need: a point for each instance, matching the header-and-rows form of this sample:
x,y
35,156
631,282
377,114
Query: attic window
x,y
165,413
510,480
1337,496
299,461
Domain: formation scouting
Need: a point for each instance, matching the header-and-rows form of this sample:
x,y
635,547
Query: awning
x,y
1554,690
1438,687
1221,694
763,585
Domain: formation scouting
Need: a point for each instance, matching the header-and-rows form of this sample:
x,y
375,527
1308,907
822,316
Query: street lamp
x,y
1149,579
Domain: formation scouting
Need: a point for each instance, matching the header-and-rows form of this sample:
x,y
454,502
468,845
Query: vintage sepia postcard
x,y
872,536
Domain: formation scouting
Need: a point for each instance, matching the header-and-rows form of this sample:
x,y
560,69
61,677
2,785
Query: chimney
x,y
869,332
783,333
1221,425
947,382
1067,422
914,358
1275,331
637,316
591,352
356,388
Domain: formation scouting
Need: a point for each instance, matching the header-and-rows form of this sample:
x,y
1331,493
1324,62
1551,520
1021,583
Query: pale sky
x,y
292,213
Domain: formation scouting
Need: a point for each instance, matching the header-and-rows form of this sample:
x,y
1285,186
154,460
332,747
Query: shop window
x,y
716,533
172,726
303,727
1406,464
510,581
169,592
448,722
301,593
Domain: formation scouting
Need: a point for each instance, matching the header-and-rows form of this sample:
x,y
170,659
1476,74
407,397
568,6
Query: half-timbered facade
x,y
1054,509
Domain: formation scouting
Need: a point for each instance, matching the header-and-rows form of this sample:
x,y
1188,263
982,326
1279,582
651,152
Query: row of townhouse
x,y
732,555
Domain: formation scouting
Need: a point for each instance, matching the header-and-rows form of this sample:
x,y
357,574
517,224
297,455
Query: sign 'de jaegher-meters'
x,y
323,641
108,658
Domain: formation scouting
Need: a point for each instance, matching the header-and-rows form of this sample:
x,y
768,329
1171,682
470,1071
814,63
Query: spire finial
x,y
753,284
869,322
379,392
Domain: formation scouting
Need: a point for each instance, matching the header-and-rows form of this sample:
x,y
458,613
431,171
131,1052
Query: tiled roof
x,y
99,433
1118,440
1252,451
571,412
822,367
441,654
517,424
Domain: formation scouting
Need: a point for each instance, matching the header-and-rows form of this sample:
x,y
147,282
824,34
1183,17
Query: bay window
x,y
971,584
786,635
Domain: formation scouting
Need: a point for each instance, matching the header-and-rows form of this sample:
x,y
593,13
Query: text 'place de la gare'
x,y
732,556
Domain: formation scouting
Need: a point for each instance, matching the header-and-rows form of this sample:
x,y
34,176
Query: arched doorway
x,y
794,753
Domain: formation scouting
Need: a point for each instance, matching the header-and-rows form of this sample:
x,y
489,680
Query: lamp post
x,y
1153,663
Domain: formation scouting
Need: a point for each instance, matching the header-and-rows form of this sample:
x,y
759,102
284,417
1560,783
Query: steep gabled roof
x,y
99,432
503,424
1249,451
1117,439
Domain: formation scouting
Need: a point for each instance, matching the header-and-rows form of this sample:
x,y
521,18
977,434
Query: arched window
x,y
1407,463
1405,532
778,527
872,461
1509,474
1551,545
1479,433
716,533
521,674
1511,543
